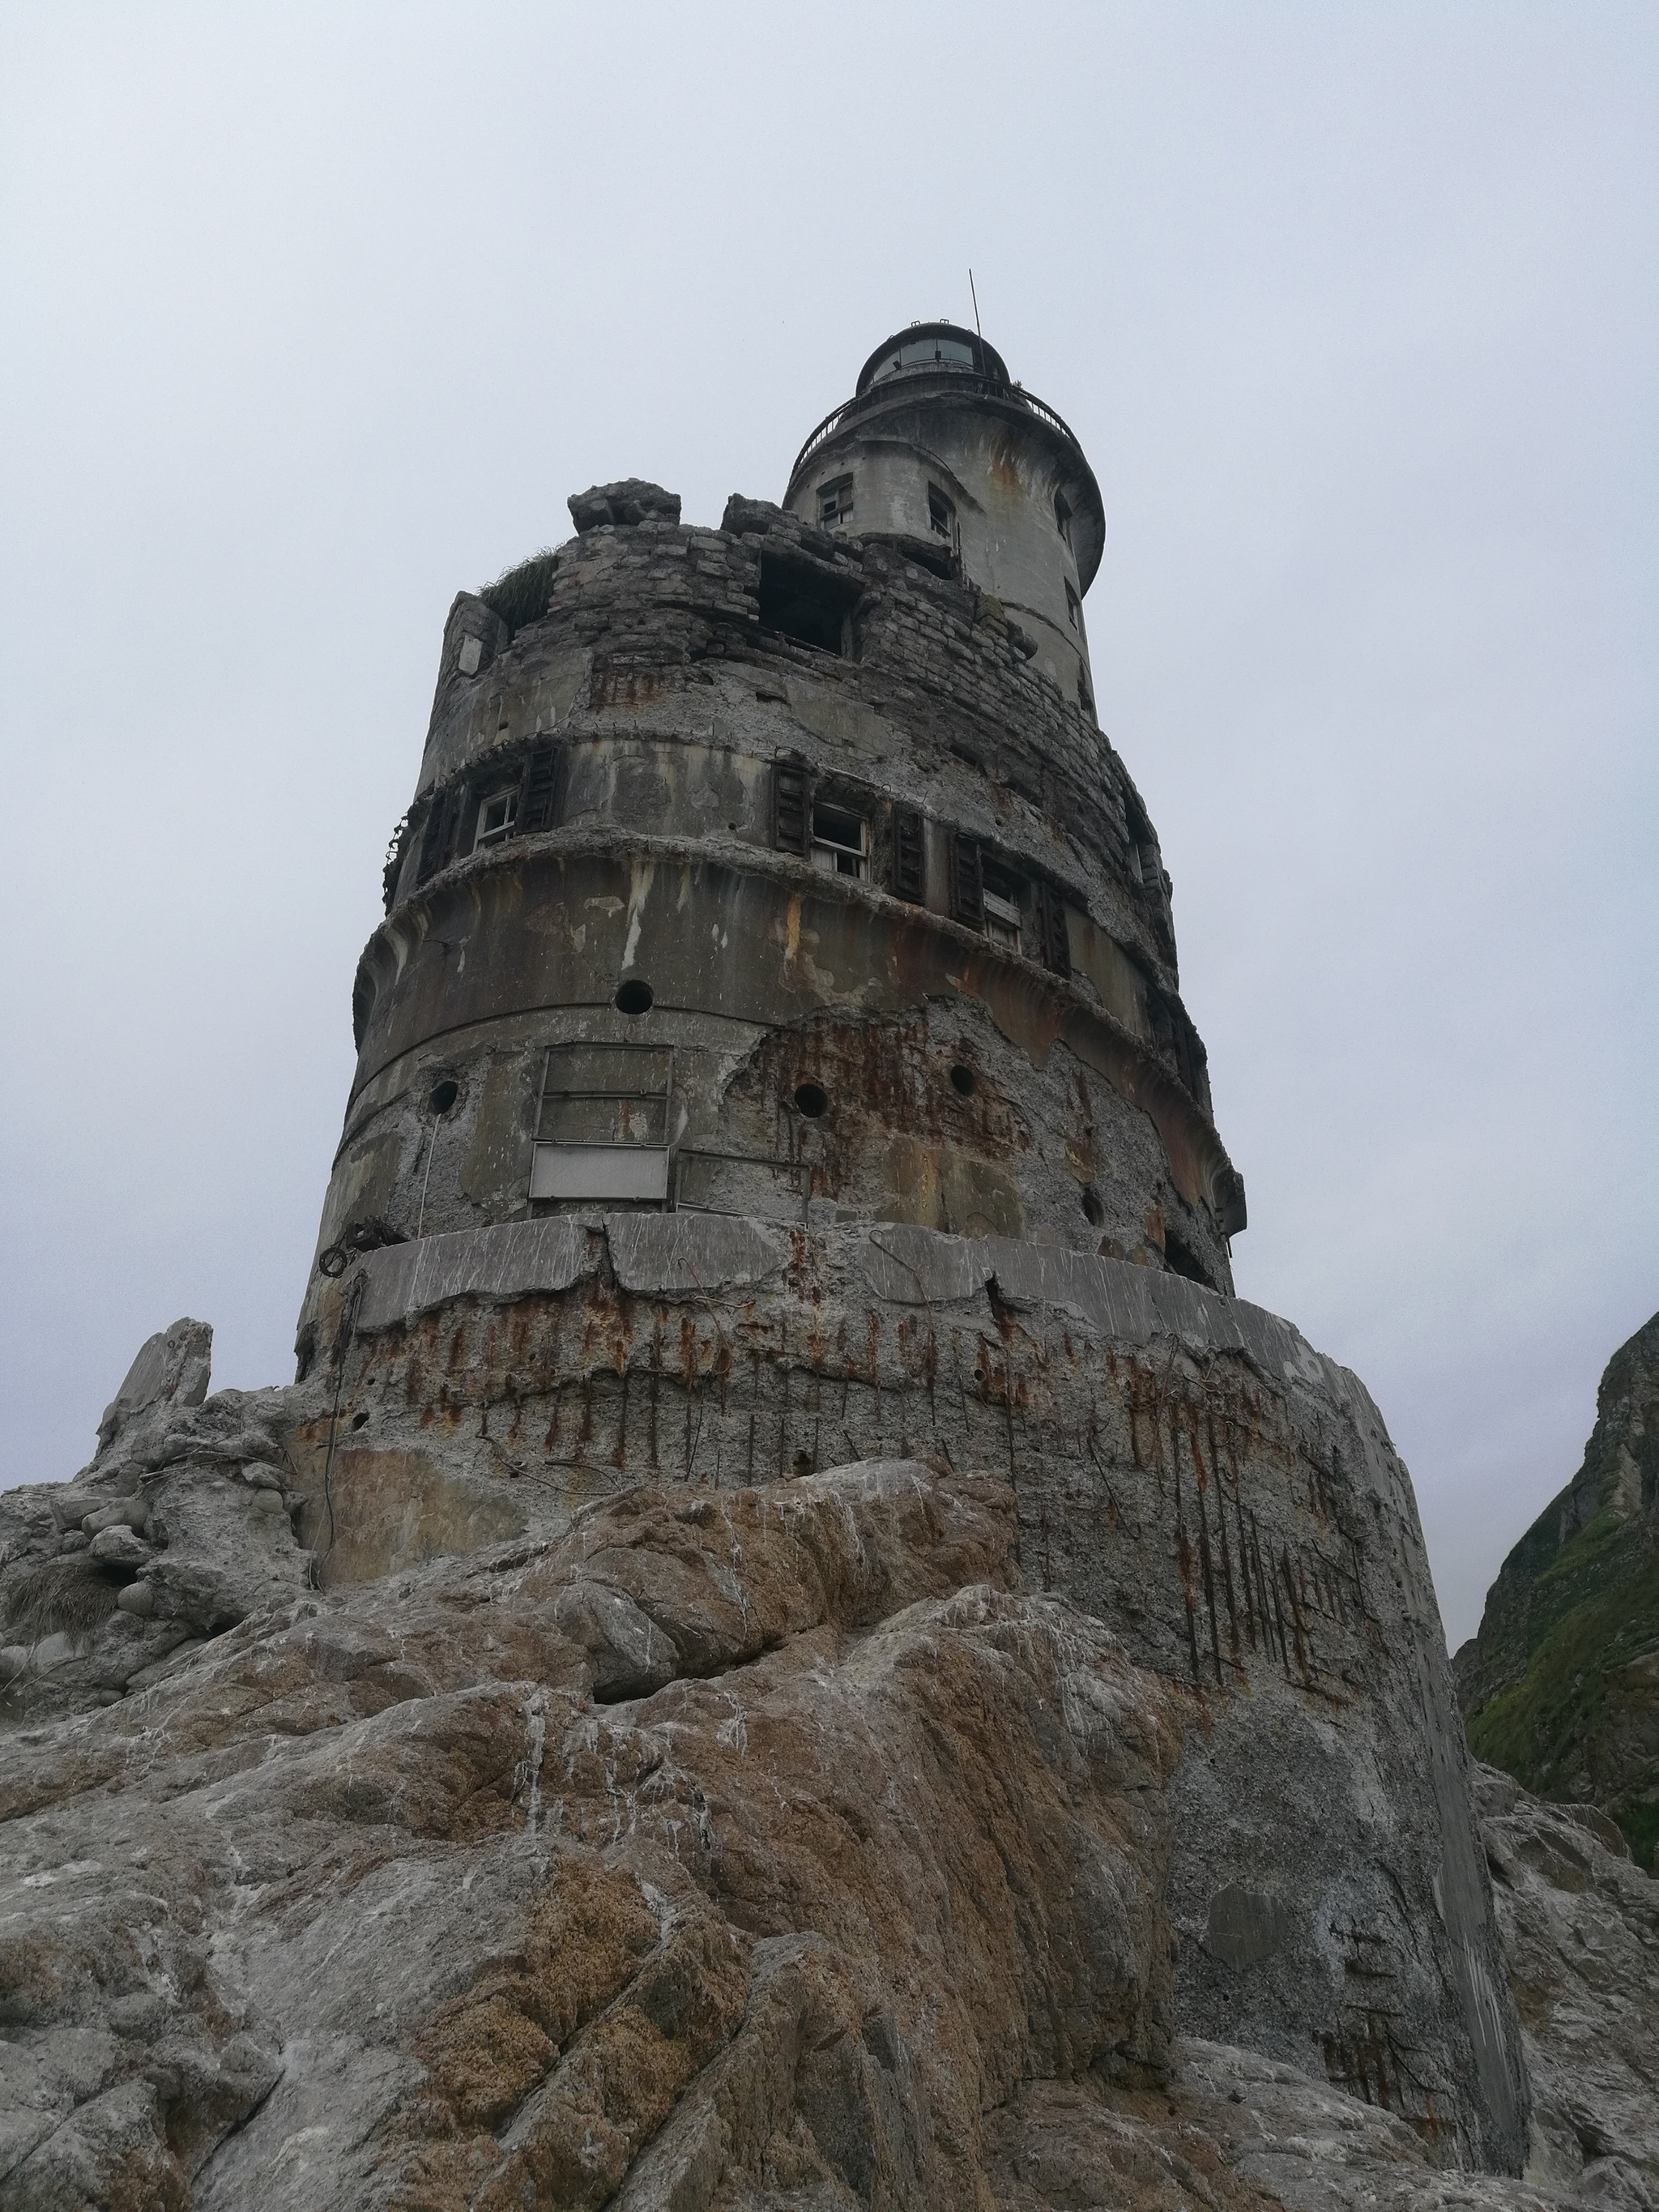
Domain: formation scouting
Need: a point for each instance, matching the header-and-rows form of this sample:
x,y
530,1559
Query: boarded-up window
x,y
603,1124
791,809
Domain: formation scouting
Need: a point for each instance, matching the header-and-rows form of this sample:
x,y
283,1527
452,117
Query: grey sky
x,y
316,314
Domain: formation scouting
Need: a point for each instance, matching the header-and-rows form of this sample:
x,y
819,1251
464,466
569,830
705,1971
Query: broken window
x,y
1063,516
941,515
497,815
804,601
841,842
835,504
1002,921
1003,893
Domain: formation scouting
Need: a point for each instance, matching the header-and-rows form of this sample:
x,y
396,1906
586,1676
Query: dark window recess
x,y
442,831
1183,1261
967,882
541,790
941,514
805,603
1063,516
792,810
909,856
1073,609
1053,944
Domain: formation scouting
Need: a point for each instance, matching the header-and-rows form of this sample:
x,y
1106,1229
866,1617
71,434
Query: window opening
x,y
603,1124
1073,609
807,603
941,514
496,816
841,842
1002,921
1063,516
836,503
1002,908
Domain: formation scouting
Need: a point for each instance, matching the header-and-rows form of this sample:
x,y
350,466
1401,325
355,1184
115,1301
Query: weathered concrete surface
x,y
757,1846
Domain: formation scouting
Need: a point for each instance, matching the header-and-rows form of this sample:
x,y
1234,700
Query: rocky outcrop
x,y
1560,1686
765,1846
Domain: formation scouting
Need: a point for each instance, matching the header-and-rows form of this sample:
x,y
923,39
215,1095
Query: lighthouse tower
x,y
783,871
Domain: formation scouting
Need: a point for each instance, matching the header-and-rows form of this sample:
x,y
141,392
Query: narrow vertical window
x,y
1063,516
835,504
1073,609
941,515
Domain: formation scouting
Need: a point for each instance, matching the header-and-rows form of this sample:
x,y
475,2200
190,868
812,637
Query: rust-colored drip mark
x,y
1288,1575
1227,1579
1209,1578
1112,1514
656,1381
783,1422
1184,1561
1284,1640
619,1457
551,1441
1244,1571
754,1394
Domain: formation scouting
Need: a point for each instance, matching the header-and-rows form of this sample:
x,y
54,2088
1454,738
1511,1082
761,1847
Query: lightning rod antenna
x,y
973,295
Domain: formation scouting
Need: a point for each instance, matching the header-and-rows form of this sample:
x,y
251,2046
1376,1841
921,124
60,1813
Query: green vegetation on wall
x,y
1561,1686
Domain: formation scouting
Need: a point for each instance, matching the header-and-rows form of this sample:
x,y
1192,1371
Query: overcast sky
x,y
316,314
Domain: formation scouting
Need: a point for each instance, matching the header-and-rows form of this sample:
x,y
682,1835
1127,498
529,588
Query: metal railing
x,y
986,387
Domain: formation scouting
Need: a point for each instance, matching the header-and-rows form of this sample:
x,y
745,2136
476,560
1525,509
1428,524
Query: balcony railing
x,y
984,388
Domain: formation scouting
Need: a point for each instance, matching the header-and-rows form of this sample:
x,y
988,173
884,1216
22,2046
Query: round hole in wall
x,y
1093,1212
360,1420
963,1081
635,997
813,1100
442,1095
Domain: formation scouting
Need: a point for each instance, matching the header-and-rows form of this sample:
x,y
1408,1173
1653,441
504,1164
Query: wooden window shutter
x,y
792,810
1053,941
909,856
443,824
967,881
540,791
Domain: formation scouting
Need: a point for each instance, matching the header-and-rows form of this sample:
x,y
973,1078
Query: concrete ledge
x,y
681,1255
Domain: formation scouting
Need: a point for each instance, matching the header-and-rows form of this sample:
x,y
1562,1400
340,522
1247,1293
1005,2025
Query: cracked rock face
x,y
714,1849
